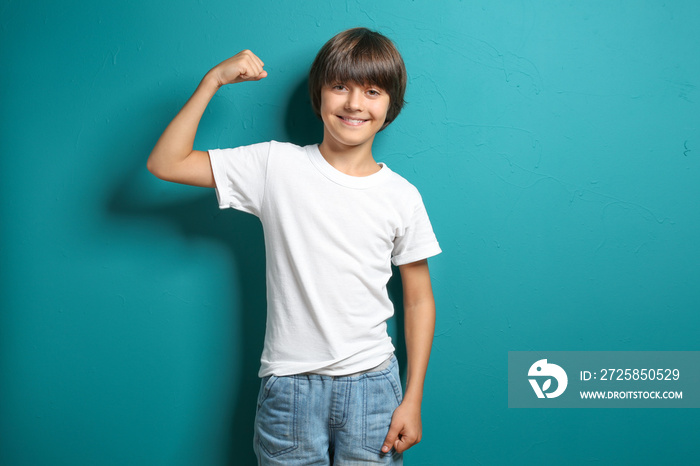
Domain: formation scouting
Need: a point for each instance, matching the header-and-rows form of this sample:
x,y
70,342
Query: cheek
x,y
327,106
385,107
384,111
324,109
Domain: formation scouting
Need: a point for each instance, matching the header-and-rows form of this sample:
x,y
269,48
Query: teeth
x,y
350,120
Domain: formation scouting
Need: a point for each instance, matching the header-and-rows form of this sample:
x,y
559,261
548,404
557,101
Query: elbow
x,y
154,168
151,166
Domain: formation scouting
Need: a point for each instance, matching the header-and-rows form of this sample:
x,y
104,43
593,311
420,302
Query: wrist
x,y
412,398
210,82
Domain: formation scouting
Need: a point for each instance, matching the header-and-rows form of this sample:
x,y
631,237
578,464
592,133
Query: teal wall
x,y
556,146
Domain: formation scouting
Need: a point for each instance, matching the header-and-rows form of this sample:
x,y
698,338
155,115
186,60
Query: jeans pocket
x,y
276,420
381,396
265,383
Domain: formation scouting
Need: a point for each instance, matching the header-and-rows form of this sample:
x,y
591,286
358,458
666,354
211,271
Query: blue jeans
x,y
315,419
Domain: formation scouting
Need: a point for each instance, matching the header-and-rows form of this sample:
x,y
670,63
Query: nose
x,y
354,99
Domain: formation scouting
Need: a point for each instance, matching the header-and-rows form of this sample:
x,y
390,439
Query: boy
x,y
334,220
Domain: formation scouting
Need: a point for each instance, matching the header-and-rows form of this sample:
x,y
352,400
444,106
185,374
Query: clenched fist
x,y
244,66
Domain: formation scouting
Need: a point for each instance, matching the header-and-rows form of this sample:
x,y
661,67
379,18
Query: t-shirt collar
x,y
332,173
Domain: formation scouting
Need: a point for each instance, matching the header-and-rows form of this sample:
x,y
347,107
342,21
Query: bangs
x,y
362,62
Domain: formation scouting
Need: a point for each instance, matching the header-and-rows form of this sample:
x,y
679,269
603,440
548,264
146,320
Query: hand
x,y
406,428
244,66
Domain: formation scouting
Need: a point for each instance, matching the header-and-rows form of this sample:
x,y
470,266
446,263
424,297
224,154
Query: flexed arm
x,y
173,158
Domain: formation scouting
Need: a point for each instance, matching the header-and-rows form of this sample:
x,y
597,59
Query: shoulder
x,y
285,146
271,145
402,187
287,150
259,150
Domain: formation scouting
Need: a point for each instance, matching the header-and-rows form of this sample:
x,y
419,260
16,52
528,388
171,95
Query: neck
x,y
351,160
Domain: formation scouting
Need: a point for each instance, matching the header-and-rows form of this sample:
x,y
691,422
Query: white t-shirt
x,y
330,239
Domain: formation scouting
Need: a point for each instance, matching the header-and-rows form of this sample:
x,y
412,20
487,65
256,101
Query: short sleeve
x,y
240,175
417,240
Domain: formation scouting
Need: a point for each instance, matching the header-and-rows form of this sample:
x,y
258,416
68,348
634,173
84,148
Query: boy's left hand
x,y
406,428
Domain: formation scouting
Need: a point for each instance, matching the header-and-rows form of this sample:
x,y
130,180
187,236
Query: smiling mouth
x,y
352,121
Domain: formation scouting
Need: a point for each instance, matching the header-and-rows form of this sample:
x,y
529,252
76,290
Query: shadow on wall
x,y
241,234
302,125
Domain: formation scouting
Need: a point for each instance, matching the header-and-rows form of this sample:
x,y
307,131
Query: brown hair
x,y
360,56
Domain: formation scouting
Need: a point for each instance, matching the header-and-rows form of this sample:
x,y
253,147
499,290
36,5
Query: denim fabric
x,y
314,419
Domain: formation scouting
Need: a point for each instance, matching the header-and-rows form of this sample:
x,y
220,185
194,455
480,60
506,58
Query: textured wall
x,y
556,147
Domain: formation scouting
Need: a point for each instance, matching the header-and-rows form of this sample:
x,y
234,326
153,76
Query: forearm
x,y
177,141
419,327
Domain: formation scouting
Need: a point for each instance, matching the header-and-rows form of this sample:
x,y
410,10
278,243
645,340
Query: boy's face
x,y
352,113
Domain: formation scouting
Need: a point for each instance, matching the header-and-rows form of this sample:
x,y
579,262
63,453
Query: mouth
x,y
352,121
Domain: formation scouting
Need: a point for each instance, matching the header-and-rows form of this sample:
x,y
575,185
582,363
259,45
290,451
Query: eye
x,y
338,87
374,92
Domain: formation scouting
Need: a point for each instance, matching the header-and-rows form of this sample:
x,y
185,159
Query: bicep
x,y
194,170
